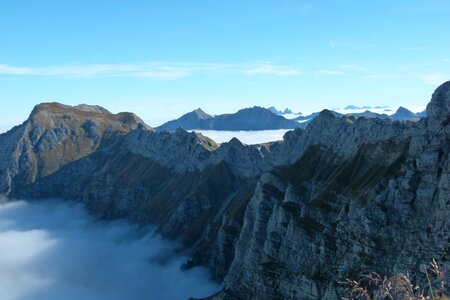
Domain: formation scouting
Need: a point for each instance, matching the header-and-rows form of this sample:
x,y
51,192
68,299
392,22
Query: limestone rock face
x,y
343,134
347,197
185,151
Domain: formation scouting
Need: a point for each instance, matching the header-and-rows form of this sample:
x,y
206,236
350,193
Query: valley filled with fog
x,y
246,137
55,250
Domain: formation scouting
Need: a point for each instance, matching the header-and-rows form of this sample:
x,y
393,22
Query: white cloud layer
x,y
54,250
246,137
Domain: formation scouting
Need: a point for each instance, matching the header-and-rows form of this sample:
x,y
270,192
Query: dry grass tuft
x,y
398,287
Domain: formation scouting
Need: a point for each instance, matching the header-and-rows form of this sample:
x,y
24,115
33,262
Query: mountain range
x,y
402,114
259,118
289,220
255,118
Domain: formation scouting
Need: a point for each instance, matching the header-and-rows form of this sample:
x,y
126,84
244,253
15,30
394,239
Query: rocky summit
x,y
288,220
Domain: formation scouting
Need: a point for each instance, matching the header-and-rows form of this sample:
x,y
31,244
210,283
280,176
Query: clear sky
x,y
161,59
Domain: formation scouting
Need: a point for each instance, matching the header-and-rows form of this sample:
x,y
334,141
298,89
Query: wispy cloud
x,y
435,79
270,69
330,72
150,70
145,70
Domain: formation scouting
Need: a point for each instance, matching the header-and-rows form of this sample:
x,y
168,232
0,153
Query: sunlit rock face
x,y
53,136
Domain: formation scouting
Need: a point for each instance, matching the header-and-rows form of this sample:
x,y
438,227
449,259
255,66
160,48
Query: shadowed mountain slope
x,y
255,118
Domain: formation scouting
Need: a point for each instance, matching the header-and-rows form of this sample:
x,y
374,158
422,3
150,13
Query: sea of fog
x,y
246,137
55,250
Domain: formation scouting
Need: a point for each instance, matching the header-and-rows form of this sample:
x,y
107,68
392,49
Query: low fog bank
x,y
246,137
55,250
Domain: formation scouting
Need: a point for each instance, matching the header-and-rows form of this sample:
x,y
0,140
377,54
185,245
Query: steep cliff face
x,y
53,136
362,196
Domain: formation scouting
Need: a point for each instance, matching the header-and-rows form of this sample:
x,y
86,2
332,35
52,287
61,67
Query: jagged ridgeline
x,y
289,220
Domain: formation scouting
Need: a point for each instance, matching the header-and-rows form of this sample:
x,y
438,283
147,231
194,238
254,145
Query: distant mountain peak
x,y
286,111
403,113
275,111
191,120
402,109
201,114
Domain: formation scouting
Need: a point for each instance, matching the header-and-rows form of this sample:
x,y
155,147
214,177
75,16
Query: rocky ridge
x,y
365,196
288,220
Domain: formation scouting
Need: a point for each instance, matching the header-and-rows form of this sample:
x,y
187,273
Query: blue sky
x,y
161,59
